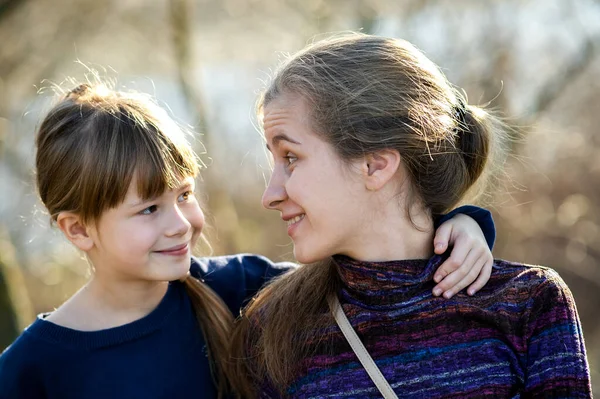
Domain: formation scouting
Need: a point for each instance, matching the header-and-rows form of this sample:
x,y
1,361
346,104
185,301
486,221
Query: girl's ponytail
x,y
215,321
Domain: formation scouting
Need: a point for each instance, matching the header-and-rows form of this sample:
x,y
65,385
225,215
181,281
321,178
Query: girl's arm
x,y
237,278
471,232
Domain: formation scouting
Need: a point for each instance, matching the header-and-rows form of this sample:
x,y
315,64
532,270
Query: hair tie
x,y
460,114
78,91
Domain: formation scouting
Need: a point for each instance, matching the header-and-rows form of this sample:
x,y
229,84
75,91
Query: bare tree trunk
x,y
16,311
551,91
181,17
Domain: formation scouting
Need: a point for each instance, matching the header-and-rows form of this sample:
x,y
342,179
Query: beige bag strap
x,y
359,349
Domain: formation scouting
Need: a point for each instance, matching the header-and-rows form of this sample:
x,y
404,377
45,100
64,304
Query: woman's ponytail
x,y
480,138
473,139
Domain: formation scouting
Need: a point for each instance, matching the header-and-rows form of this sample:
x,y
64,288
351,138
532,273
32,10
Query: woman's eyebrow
x,y
279,138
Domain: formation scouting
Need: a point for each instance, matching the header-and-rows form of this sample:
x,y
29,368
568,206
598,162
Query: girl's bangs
x,y
161,163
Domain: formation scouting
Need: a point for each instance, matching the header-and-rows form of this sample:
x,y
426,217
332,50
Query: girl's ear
x,y
380,167
75,231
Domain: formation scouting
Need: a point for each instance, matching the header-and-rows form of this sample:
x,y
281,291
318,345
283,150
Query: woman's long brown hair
x,y
268,341
365,94
89,147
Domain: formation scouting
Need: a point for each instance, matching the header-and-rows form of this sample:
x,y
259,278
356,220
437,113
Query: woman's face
x,y
319,196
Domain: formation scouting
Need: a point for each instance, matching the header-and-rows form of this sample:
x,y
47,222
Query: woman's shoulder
x,y
526,274
530,283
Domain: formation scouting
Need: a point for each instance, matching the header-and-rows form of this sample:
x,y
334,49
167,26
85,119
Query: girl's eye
x,y
291,158
185,196
149,211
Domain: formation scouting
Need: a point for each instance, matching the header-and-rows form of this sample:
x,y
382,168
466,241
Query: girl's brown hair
x,y
90,146
364,93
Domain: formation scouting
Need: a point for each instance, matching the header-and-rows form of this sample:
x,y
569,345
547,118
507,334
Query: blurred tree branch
x,y
552,91
6,6
38,50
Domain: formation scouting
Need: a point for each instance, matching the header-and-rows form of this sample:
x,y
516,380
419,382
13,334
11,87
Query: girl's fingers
x,y
442,238
455,260
483,277
459,273
469,272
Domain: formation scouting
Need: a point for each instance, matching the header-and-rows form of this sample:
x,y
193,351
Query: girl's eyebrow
x,y
279,138
186,183
139,203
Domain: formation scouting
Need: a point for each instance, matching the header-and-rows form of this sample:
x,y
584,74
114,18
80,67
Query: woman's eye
x,y
185,196
148,211
291,158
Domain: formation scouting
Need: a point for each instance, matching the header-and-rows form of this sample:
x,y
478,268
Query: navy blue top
x,y
482,216
161,355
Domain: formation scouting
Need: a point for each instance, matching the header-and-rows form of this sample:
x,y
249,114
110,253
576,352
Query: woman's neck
x,y
392,235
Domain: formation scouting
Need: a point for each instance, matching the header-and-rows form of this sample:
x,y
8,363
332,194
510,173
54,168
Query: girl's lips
x,y
175,251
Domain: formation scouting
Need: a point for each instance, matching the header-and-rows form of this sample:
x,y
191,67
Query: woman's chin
x,y
307,256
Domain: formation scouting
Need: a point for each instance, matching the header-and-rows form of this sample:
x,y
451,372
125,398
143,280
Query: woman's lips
x,y
292,224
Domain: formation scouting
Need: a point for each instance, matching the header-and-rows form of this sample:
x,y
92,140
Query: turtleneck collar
x,y
378,285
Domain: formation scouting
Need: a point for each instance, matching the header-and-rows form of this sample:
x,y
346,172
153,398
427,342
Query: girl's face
x,y
319,196
148,240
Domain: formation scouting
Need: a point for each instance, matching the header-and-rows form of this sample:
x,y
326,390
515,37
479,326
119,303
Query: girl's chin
x,y
179,270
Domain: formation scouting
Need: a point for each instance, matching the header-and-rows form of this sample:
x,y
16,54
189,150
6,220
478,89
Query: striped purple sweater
x,y
518,337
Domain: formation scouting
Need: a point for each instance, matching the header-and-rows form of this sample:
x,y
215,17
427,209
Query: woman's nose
x,y
275,192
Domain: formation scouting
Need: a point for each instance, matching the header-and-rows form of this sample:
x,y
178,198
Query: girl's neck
x,y
126,296
104,304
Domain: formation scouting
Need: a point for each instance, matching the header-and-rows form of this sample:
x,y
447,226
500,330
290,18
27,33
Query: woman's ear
x,y
75,230
380,167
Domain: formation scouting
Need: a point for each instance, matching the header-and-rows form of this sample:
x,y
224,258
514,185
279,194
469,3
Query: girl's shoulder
x,y
237,278
23,363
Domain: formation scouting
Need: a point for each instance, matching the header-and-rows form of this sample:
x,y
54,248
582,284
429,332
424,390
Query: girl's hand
x,y
470,261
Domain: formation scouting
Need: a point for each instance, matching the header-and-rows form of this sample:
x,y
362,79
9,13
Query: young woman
x,y
117,177
370,144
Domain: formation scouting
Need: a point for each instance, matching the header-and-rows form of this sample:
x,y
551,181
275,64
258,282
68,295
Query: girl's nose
x,y
178,223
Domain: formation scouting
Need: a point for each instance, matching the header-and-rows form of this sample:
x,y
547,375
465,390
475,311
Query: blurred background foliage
x,y
536,61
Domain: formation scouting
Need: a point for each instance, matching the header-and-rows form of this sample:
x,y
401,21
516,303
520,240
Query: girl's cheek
x,y
195,216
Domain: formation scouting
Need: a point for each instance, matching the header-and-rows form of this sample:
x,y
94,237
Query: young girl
x,y
117,178
370,142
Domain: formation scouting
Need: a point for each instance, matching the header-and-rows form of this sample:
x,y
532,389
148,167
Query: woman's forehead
x,y
285,112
